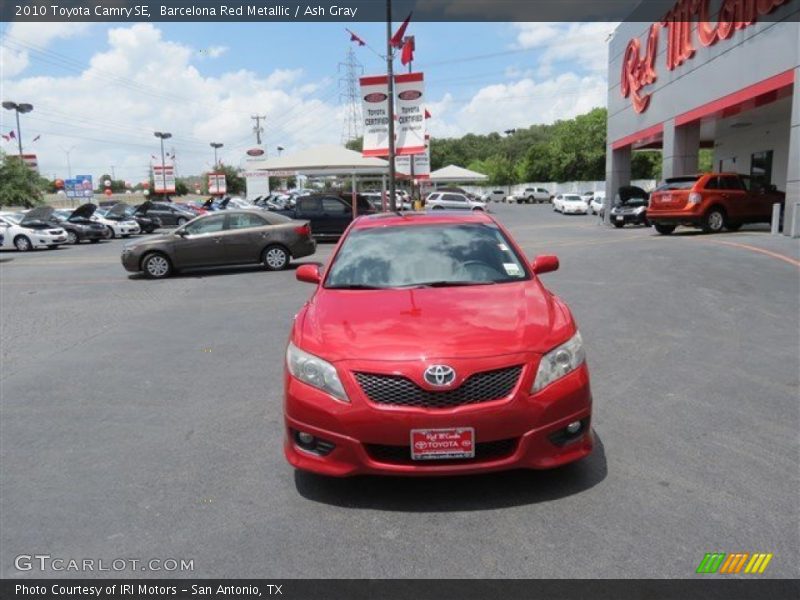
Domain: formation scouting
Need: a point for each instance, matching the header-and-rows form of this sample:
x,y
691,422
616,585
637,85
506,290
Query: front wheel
x,y
438,208
72,237
22,243
156,266
664,229
110,235
180,222
275,258
714,221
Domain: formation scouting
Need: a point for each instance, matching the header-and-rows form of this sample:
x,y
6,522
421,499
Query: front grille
x,y
401,455
397,390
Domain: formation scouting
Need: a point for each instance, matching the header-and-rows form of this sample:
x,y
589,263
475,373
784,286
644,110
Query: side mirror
x,y
308,274
545,264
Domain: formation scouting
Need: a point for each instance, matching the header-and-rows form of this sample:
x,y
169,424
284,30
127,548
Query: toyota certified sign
x,y
255,152
410,95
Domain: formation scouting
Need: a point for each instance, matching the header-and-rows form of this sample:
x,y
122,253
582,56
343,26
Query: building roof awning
x,y
454,174
325,160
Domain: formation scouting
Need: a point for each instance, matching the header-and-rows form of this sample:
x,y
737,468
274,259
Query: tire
x,y
733,226
110,235
23,244
156,266
437,207
275,258
180,222
664,229
72,238
619,225
714,220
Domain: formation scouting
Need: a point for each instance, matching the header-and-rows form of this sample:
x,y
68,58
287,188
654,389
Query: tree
x,y
19,184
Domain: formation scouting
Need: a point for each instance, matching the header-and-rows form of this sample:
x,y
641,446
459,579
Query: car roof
x,y
411,218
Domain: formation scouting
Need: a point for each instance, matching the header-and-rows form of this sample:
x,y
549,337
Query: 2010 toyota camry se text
x,y
430,347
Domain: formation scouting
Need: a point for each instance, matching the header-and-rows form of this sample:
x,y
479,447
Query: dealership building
x,y
719,74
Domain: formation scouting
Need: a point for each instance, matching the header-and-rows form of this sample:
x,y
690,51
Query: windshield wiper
x,y
354,286
445,283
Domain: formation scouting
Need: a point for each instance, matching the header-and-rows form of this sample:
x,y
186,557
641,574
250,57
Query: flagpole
x,y
411,158
390,74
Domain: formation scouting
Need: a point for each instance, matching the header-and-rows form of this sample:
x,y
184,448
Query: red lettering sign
x,y
639,71
733,15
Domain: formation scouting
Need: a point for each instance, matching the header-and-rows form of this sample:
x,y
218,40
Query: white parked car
x,y
587,197
494,196
530,196
26,234
452,201
596,205
570,204
124,228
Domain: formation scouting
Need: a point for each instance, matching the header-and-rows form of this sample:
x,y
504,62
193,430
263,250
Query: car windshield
x,y
425,256
634,202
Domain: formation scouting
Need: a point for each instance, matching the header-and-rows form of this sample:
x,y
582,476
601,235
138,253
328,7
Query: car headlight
x,y
314,371
559,362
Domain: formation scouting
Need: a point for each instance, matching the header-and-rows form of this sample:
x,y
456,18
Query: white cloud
x,y
502,106
215,51
22,38
583,43
141,83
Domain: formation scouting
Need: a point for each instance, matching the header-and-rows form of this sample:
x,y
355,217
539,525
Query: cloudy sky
x,y
100,90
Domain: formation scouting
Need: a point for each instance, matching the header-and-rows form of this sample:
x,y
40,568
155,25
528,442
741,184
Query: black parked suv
x,y
630,207
329,213
167,213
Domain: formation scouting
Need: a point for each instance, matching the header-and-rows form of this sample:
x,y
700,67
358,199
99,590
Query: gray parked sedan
x,y
222,238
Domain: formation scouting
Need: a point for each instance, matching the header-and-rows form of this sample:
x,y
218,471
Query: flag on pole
x,y
427,114
397,38
36,138
407,55
355,38
12,135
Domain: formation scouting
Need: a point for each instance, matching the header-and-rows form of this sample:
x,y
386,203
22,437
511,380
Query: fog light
x,y
305,438
574,427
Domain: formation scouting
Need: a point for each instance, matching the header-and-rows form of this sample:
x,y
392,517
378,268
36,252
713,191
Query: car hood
x,y
84,211
118,210
40,214
414,324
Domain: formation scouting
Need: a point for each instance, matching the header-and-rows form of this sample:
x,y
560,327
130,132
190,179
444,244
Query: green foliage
x,y
646,164
19,184
117,185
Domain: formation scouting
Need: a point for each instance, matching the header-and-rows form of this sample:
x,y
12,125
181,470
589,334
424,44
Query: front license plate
x,y
442,444
620,218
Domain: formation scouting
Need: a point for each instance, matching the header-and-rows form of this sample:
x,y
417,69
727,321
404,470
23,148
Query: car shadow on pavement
x,y
457,493
217,271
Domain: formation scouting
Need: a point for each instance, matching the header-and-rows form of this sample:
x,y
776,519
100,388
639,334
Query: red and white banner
x,y
164,179
410,129
375,110
217,185
31,161
422,165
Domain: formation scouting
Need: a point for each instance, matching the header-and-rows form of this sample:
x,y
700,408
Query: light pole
x,y
18,108
280,149
163,135
216,146
390,77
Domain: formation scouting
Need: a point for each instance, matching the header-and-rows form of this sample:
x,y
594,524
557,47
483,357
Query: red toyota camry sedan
x,y
431,347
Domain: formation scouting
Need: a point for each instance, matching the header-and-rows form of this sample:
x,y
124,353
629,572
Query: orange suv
x,y
711,201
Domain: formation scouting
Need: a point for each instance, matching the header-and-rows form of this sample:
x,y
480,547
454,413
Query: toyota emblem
x,y
440,375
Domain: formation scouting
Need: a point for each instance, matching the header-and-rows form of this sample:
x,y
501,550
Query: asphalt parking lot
x,y
143,419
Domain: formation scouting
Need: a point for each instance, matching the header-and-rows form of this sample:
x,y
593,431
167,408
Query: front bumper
x,y
637,219
520,431
131,261
575,210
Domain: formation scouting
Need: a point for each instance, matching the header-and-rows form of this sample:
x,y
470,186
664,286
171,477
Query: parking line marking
x,y
783,257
